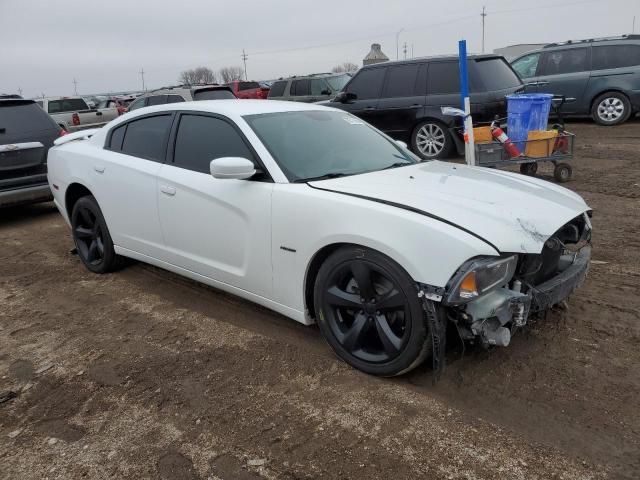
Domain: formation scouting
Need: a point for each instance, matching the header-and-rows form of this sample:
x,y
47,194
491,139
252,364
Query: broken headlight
x,y
480,276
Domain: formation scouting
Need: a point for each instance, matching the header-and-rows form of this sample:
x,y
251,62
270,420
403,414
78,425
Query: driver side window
x,y
526,66
201,139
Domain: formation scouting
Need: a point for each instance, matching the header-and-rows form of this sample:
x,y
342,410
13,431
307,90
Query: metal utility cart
x,y
554,145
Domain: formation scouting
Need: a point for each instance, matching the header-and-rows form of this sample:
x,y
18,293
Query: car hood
x,y
512,212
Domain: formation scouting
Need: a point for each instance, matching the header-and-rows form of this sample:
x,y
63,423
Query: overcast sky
x,y
45,44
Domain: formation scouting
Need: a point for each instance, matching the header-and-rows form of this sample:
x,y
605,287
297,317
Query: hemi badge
x,y
287,249
55,186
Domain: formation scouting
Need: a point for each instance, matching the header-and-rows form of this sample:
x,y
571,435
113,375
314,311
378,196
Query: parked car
x,y
248,89
120,104
26,134
310,88
404,99
603,75
182,93
73,113
313,213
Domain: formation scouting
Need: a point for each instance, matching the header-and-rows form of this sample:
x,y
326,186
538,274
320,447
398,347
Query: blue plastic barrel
x,y
526,112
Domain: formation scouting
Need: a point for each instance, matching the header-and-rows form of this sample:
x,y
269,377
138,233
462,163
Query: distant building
x,y
375,55
514,51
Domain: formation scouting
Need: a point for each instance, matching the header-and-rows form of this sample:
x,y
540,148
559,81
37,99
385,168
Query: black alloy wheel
x,y
91,237
369,312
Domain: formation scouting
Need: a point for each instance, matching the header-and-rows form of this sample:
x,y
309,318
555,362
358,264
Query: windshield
x,y
314,144
338,82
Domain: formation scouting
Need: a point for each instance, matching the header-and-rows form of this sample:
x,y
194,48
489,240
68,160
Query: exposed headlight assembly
x,y
479,276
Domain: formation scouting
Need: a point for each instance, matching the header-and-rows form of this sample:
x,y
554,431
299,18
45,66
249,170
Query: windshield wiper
x,y
397,164
326,176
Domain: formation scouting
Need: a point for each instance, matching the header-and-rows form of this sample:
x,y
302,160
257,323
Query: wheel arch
x,y
607,90
313,267
75,191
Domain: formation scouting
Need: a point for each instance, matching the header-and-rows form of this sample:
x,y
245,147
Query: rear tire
x,y
431,140
611,108
368,310
91,237
563,172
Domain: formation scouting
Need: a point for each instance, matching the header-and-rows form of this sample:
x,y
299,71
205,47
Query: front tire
x,y
91,237
431,140
611,108
368,310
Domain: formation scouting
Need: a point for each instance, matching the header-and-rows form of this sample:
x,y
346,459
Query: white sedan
x,y
313,213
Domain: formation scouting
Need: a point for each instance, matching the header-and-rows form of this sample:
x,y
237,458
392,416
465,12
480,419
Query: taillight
x,y
75,118
63,132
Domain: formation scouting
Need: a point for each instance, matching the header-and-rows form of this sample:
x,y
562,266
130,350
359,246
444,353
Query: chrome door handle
x,y
98,168
166,189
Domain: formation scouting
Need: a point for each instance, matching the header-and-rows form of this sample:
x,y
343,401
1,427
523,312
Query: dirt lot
x,y
142,374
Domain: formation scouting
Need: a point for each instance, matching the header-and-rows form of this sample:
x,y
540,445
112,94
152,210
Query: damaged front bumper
x,y
488,316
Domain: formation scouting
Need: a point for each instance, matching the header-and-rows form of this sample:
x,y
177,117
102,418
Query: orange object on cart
x,y
482,135
540,143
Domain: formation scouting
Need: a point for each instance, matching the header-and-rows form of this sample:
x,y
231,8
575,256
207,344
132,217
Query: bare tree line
x,y
229,74
206,75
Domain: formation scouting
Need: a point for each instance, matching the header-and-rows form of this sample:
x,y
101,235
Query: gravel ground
x,y
142,374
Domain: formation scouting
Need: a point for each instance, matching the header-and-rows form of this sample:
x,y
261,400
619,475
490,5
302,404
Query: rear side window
x,y
201,139
23,117
248,85
156,100
494,74
615,56
174,99
67,105
443,77
563,61
147,137
277,89
301,87
117,136
401,81
215,94
367,83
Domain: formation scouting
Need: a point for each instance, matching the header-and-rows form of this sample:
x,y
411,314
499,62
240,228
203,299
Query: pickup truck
x,y
73,113
248,89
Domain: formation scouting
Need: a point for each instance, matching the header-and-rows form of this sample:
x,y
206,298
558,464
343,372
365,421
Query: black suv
x,y
26,134
404,99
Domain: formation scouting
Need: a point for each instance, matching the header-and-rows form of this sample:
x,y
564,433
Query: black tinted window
x,y
174,99
494,74
147,137
443,77
214,94
23,117
301,87
156,100
67,105
277,89
116,138
563,61
201,139
367,83
401,81
248,85
615,56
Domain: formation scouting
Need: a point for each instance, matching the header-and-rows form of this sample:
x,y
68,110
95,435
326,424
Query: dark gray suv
x,y
603,75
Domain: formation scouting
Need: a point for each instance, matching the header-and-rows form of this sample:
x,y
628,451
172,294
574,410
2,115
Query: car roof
x,y
432,59
234,108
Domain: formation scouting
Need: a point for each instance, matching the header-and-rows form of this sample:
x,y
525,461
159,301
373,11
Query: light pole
x,y
398,43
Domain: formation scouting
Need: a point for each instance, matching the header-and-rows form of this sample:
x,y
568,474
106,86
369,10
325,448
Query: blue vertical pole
x,y
469,149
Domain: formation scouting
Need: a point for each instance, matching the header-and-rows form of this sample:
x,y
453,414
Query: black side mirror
x,y
325,92
346,97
